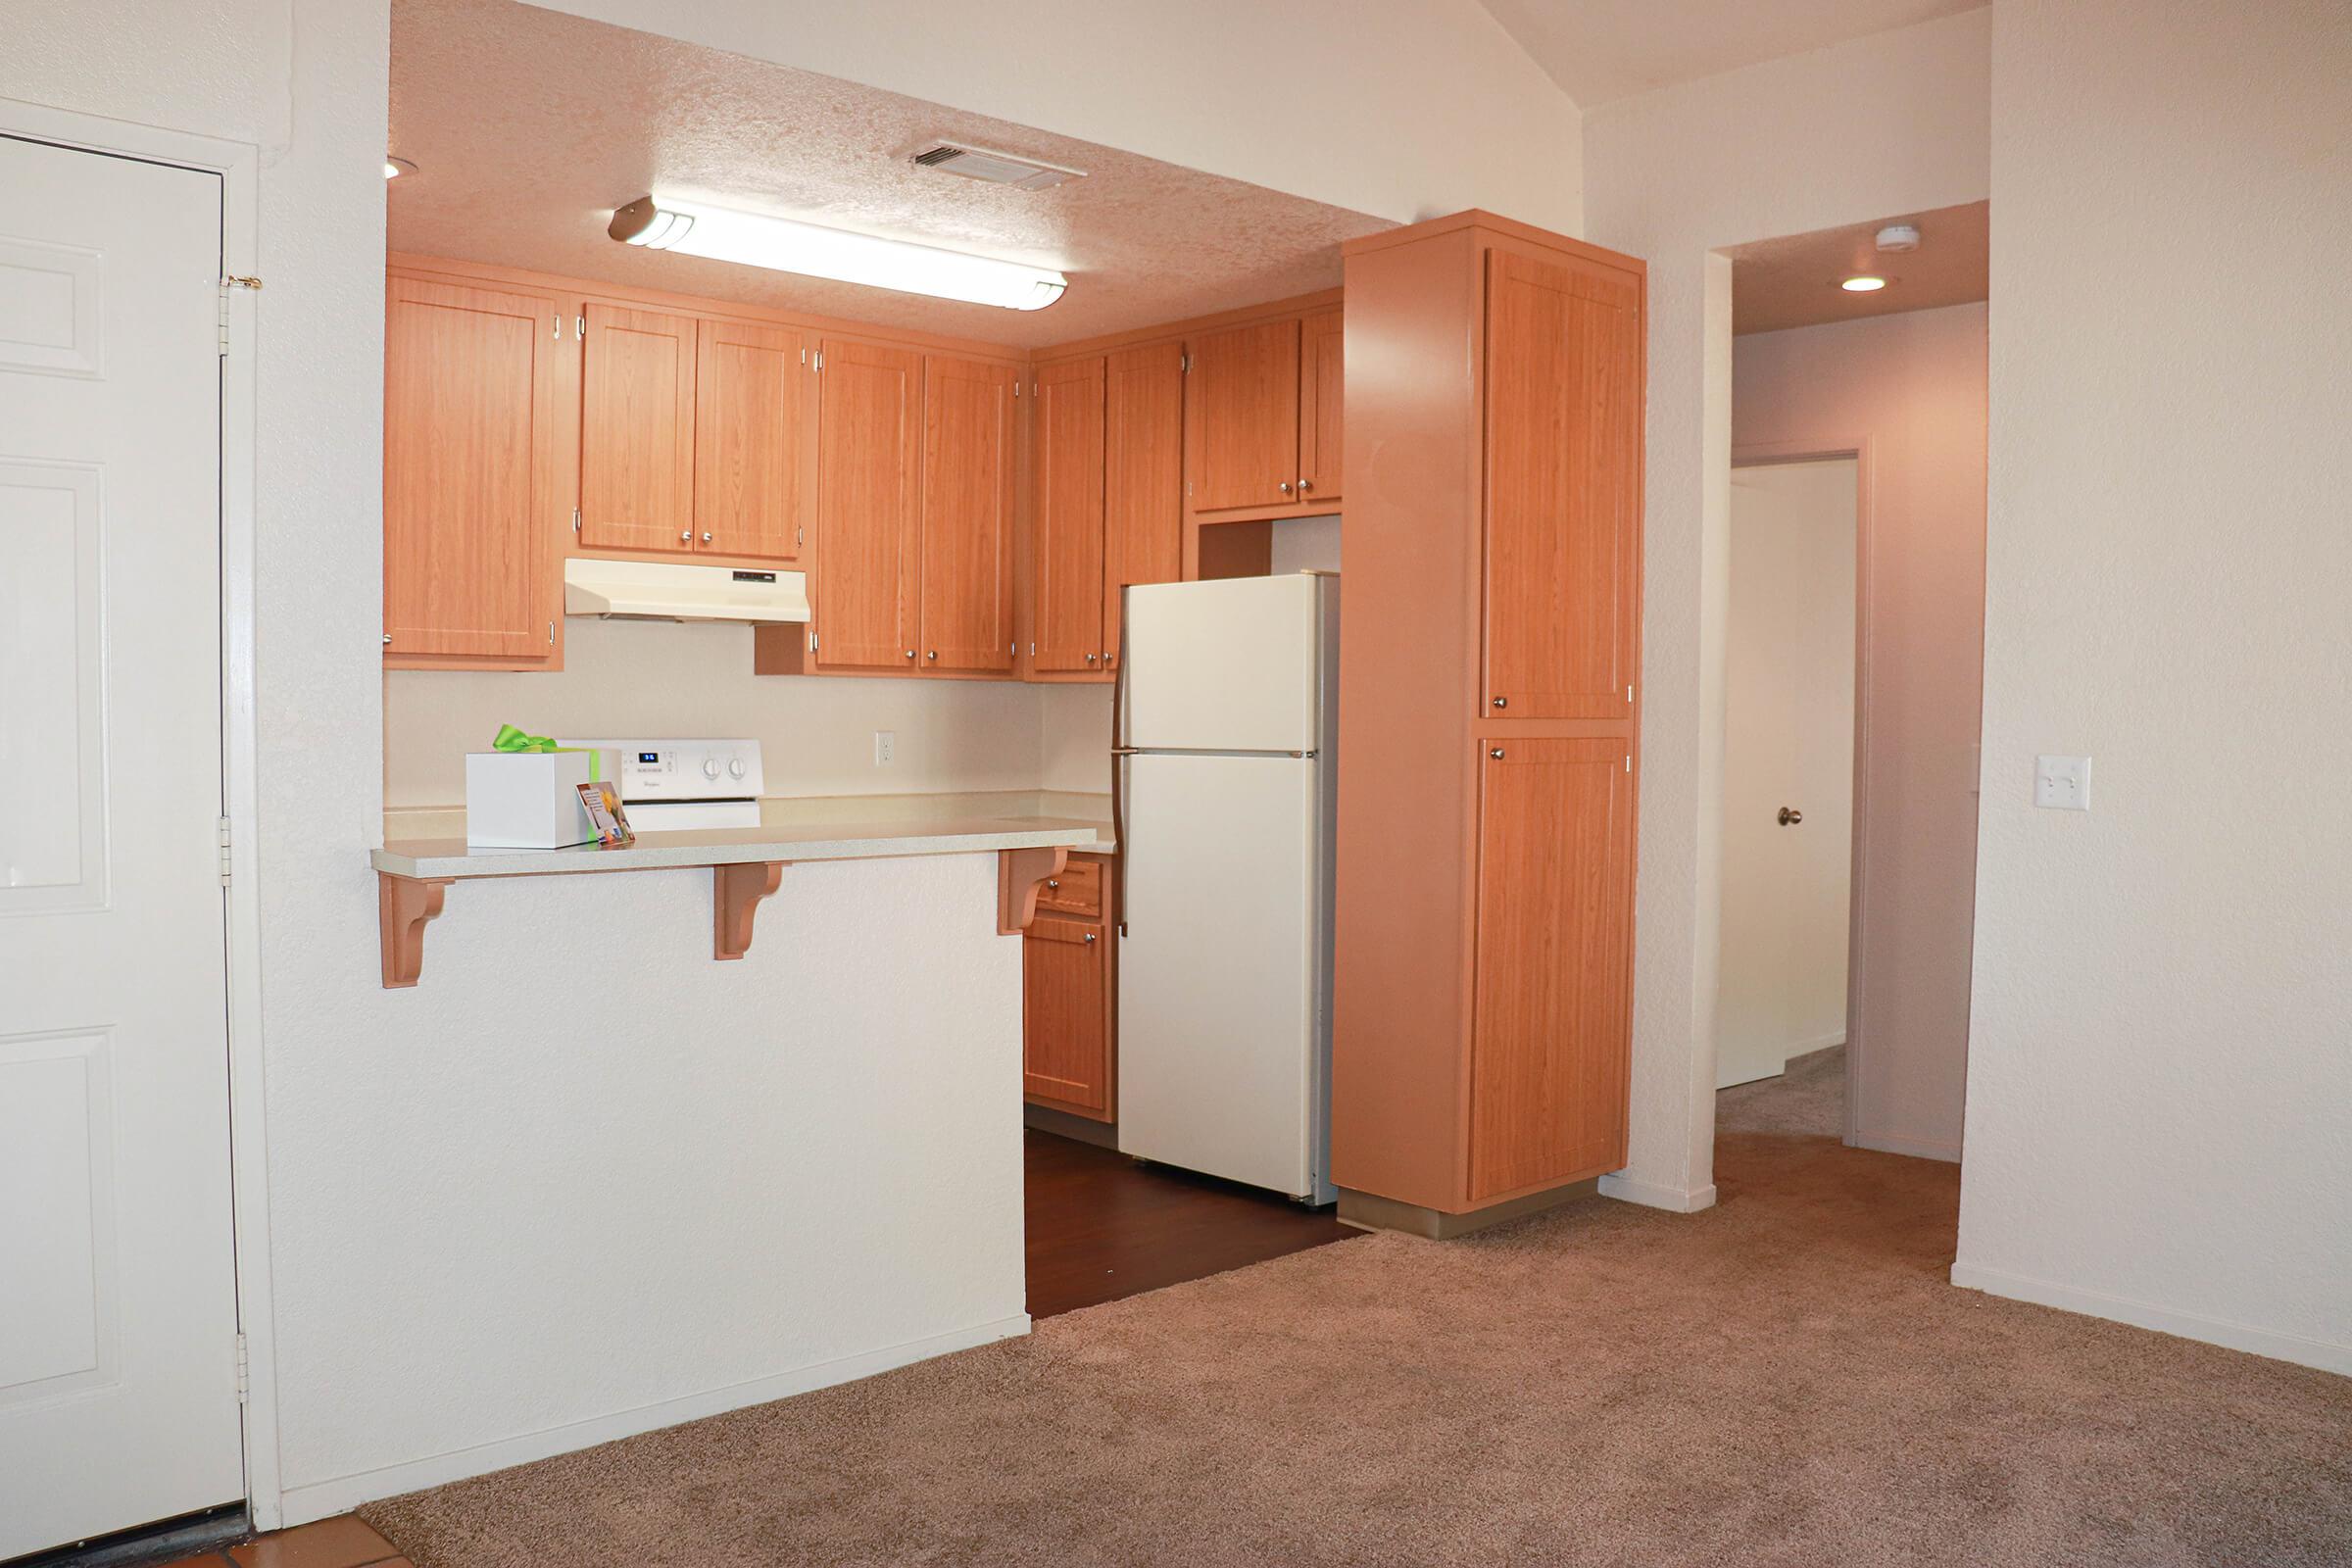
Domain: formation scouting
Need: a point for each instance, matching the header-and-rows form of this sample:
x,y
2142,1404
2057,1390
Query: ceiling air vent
x,y
998,168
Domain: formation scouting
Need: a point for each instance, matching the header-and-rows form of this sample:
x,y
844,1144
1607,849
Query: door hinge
x,y
224,319
227,851
575,520
244,1371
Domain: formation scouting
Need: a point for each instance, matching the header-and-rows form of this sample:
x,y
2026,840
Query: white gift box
x,y
532,799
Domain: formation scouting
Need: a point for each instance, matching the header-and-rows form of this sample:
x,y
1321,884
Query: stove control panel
x,y
684,769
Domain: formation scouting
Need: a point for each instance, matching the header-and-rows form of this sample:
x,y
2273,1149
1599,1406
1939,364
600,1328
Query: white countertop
x,y
735,846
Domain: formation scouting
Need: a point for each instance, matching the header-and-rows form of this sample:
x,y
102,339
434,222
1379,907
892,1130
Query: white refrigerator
x,y
1226,719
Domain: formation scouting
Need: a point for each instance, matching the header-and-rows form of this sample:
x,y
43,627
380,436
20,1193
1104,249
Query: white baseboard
x,y
319,1500
1917,1148
2327,1357
1649,1195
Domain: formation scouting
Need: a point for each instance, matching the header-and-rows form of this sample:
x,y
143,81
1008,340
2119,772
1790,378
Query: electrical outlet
x,y
886,745
2062,783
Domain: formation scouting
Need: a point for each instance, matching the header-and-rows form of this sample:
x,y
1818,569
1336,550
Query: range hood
x,y
657,590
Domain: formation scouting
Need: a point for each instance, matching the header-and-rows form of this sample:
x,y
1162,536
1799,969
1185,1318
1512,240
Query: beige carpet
x,y
1808,1097
1784,1379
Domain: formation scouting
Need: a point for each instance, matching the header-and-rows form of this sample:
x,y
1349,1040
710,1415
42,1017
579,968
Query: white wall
x,y
816,733
1411,109
1889,123
2161,1057
1788,742
1912,386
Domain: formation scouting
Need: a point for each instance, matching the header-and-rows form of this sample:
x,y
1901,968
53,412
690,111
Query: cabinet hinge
x,y
813,642
1016,389
551,634
579,327
1629,762
1629,694
575,520
1183,363
800,537
820,359
227,851
554,324
244,1371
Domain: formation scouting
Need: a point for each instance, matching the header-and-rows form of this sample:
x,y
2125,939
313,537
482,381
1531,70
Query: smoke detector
x,y
1899,237
997,169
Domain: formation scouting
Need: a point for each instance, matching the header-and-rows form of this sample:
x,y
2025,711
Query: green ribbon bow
x,y
511,738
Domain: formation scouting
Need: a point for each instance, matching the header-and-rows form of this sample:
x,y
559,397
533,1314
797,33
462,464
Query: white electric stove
x,y
669,784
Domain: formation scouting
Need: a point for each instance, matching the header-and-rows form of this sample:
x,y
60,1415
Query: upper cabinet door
x,y
637,430
1551,1031
1241,418
755,440
1322,386
869,470
1143,505
1066,537
967,515
469,480
1563,488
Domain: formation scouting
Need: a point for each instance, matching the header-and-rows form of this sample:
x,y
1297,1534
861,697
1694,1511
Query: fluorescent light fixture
x,y
753,239
1863,285
394,167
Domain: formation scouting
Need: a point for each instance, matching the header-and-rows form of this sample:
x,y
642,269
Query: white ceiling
x,y
1604,49
528,127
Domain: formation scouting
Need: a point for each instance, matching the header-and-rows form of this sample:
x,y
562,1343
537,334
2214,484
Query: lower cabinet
x,y
1069,1039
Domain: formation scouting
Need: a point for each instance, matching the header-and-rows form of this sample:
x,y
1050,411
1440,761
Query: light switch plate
x,y
2062,783
886,745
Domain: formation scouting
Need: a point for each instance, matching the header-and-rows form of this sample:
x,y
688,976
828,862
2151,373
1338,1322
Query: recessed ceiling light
x,y
754,239
394,167
1863,285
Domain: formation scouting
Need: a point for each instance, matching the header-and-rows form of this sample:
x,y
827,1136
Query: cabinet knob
x,y
1091,657
1052,881
686,536
1790,816
1503,702
1090,936
1284,487
933,654
705,538
1496,754
1305,485
909,653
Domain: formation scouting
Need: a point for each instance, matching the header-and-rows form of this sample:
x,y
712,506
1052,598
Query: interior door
x,y
1788,742
1563,496
637,430
1067,542
869,470
1143,475
118,1289
755,439
469,469
967,515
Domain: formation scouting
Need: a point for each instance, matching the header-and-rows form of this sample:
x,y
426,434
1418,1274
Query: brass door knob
x,y
1790,816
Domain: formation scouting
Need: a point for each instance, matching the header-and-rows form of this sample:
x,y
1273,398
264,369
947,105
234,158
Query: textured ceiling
x,y
1780,283
1604,49
529,126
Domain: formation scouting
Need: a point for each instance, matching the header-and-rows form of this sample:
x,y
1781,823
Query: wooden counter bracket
x,y
404,904
1021,873
735,895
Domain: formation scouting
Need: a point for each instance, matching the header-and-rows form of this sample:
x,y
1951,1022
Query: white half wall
x,y
1894,123
1411,109
2161,1049
1912,387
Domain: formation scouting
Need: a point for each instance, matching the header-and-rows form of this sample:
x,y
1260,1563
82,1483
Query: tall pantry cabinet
x,y
1489,757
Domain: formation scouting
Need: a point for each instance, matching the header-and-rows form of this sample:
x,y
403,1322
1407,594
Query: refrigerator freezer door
x,y
1221,1046
1227,666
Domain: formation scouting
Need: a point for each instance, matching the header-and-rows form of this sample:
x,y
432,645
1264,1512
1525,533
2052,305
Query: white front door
x,y
117,1290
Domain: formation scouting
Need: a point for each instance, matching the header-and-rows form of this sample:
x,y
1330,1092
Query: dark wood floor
x,y
1101,1227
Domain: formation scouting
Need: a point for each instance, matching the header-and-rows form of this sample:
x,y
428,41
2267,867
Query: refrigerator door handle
x,y
1119,752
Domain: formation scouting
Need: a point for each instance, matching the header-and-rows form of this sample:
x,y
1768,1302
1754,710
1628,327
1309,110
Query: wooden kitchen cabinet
x,y
969,457
1143,477
1067,543
755,440
869,471
637,380
1489,764
1069,1044
472,496
1322,406
1241,418
1562,488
